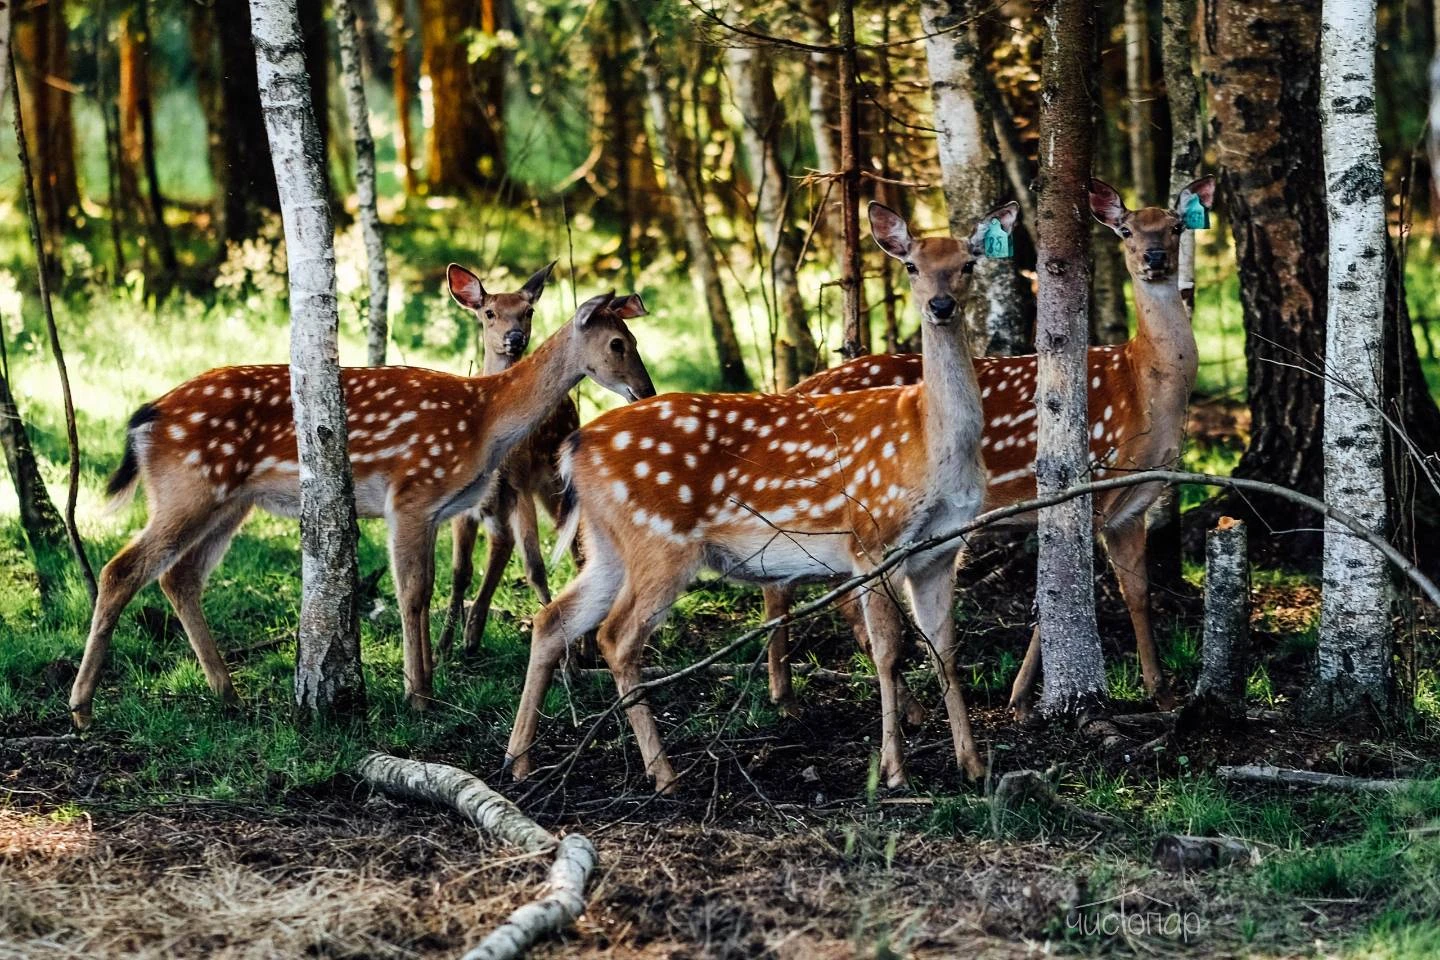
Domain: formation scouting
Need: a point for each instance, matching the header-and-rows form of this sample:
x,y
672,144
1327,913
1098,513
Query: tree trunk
x,y
105,77
1225,648
824,116
466,149
137,133
753,85
41,522
327,670
852,283
1187,148
1065,590
41,40
705,270
1109,315
245,175
1261,75
1138,96
352,68
404,83
1354,657
972,176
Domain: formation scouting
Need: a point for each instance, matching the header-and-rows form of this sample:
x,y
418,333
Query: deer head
x,y
504,318
1150,236
604,348
939,267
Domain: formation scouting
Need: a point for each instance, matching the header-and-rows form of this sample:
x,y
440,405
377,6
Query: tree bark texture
x,y
1187,148
856,325
327,674
1109,314
705,269
404,82
1140,115
1354,657
1065,591
41,43
353,74
466,148
245,176
137,132
753,86
1224,650
971,173
1261,72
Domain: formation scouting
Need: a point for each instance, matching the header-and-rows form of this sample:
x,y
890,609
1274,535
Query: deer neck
x,y
953,415
496,362
1164,344
521,396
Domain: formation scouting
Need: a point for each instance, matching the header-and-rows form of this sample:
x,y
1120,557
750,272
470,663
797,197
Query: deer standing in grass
x,y
779,490
1138,395
424,446
528,473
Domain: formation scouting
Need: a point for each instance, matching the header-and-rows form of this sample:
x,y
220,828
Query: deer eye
x,y
1179,227
618,346
969,267
1125,232
911,269
490,314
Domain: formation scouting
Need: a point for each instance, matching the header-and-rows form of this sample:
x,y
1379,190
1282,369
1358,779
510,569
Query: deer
x,y
424,446
528,474
778,489
1138,396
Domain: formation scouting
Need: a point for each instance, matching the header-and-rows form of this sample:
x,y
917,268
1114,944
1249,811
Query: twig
x,y
1282,776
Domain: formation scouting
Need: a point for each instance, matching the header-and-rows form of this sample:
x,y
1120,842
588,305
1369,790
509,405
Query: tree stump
x,y
1225,651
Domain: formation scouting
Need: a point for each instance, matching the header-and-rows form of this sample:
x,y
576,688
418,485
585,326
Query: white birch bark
x,y
1137,88
1354,669
6,9
1177,49
971,174
1065,587
327,669
352,73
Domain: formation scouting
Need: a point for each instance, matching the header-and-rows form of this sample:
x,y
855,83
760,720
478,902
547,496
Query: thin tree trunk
x,y
42,39
104,71
972,176
763,118
403,84
1012,151
857,327
1187,148
1354,657
1070,642
1109,316
705,268
354,76
72,437
327,671
1138,96
824,117
145,110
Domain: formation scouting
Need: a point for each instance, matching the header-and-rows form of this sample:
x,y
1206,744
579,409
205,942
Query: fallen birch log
x,y
563,898
1282,776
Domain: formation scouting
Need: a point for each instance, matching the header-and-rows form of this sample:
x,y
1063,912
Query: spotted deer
x,y
528,474
778,490
1138,394
424,446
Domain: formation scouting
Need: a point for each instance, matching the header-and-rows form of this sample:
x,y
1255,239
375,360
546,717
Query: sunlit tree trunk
x,y
1065,591
466,148
1187,148
327,674
704,268
852,283
1138,94
137,132
1354,657
824,117
41,44
972,176
353,75
404,83
753,85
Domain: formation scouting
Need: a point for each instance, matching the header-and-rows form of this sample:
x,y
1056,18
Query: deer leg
x,y
168,535
578,609
184,583
882,621
932,591
499,545
782,694
1022,692
525,528
1125,545
911,710
463,531
412,563
644,601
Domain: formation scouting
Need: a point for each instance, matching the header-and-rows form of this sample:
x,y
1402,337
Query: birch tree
x,y
1138,103
971,174
353,74
1177,50
327,670
1355,640
1065,589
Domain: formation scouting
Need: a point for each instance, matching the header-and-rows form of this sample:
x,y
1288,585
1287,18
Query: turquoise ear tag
x,y
997,244
1197,217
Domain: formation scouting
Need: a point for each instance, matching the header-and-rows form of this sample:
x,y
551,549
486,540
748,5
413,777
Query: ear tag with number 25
x,y
997,242
1197,217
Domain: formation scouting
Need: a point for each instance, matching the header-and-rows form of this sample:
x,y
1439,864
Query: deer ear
x,y
1204,189
629,307
1105,204
536,284
590,307
890,231
983,239
465,287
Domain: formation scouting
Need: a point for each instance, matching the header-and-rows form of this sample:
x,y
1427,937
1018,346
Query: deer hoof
x,y
81,717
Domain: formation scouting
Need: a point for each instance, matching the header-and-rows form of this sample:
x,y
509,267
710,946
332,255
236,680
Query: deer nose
x,y
943,307
516,341
1155,259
